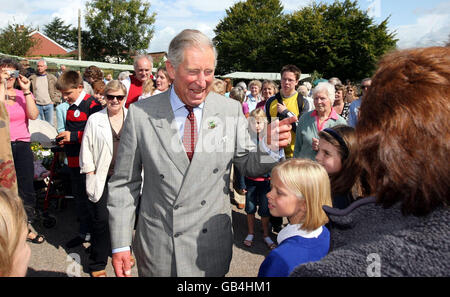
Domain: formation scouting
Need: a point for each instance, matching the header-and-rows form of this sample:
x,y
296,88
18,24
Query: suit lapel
x,y
163,120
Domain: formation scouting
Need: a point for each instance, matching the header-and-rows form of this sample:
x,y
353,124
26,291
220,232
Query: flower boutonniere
x,y
212,125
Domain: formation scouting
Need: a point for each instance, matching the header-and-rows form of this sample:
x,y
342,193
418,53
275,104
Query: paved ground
x,y
53,259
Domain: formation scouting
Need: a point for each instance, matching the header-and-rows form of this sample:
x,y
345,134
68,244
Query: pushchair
x,y
51,183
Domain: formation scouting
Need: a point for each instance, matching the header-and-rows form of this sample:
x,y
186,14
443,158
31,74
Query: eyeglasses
x,y
118,97
365,87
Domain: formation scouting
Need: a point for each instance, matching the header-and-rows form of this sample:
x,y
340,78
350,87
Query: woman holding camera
x,y
21,107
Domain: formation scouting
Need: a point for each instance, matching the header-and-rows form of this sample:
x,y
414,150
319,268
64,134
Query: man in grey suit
x,y
184,224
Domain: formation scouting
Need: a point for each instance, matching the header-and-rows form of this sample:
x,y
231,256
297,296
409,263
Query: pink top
x,y
18,121
245,108
333,115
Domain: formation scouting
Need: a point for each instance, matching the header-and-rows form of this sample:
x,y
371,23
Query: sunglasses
x,y
118,97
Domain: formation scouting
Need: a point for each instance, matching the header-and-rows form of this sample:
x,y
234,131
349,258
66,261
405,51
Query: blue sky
x,y
416,23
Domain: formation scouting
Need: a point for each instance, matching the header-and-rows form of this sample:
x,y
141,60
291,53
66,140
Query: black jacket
x,y
373,241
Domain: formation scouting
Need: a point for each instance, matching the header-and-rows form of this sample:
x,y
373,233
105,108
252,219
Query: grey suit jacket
x,y
184,224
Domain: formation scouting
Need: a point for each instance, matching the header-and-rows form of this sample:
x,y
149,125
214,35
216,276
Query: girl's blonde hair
x,y
13,221
148,87
307,180
258,113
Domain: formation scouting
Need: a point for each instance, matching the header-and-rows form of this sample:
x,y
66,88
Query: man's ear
x,y
170,69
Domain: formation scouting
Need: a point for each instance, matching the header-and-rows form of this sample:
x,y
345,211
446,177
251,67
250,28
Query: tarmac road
x,y
53,259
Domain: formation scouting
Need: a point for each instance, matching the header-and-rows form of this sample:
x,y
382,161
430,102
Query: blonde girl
x,y
14,251
299,190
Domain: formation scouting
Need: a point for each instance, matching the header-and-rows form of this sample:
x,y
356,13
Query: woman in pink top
x,y
21,107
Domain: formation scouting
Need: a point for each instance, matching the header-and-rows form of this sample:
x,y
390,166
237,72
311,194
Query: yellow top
x,y
292,105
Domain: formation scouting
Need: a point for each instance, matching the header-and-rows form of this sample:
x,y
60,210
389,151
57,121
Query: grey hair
x,y
241,85
188,38
308,85
42,60
123,75
335,81
327,87
238,94
366,79
140,57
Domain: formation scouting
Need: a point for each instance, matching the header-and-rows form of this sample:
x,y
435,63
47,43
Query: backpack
x,y
302,103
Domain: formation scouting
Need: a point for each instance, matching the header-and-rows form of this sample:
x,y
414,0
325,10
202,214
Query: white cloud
x,y
431,28
291,5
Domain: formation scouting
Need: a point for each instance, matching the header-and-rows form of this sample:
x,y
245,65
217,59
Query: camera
x,y
14,73
57,140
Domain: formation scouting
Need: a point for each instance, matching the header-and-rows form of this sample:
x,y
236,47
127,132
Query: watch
x,y
26,94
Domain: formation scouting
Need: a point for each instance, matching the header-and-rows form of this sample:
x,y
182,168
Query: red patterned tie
x,y
190,133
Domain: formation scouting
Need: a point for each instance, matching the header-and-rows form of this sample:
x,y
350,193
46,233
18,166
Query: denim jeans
x,y
46,112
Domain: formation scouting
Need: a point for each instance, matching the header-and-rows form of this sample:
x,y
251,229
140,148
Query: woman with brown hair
x,y
403,136
341,105
163,81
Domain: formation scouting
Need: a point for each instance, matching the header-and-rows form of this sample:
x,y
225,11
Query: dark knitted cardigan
x,y
371,239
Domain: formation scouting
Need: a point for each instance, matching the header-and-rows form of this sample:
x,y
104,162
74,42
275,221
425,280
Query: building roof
x,y
85,64
46,46
157,56
259,75
75,64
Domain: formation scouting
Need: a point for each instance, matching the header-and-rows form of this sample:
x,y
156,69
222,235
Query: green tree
x,y
247,39
15,40
121,27
59,32
337,40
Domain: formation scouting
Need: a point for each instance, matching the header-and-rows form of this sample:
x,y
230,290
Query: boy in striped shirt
x,y
82,105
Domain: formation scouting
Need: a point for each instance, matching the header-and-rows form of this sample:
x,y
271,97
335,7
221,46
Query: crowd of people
x,y
353,176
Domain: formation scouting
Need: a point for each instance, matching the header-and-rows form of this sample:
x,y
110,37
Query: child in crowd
x,y
14,251
238,94
338,155
81,106
98,87
148,88
257,188
299,189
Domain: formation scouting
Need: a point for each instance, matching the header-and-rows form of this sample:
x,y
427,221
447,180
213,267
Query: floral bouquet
x,y
45,156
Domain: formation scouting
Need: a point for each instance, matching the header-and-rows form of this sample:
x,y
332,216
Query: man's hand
x,y
281,107
63,137
122,264
279,133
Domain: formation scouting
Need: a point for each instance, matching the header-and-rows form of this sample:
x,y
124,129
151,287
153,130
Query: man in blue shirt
x,y
354,107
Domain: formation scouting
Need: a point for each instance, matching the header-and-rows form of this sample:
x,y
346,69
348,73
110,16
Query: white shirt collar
x,y
80,98
294,230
